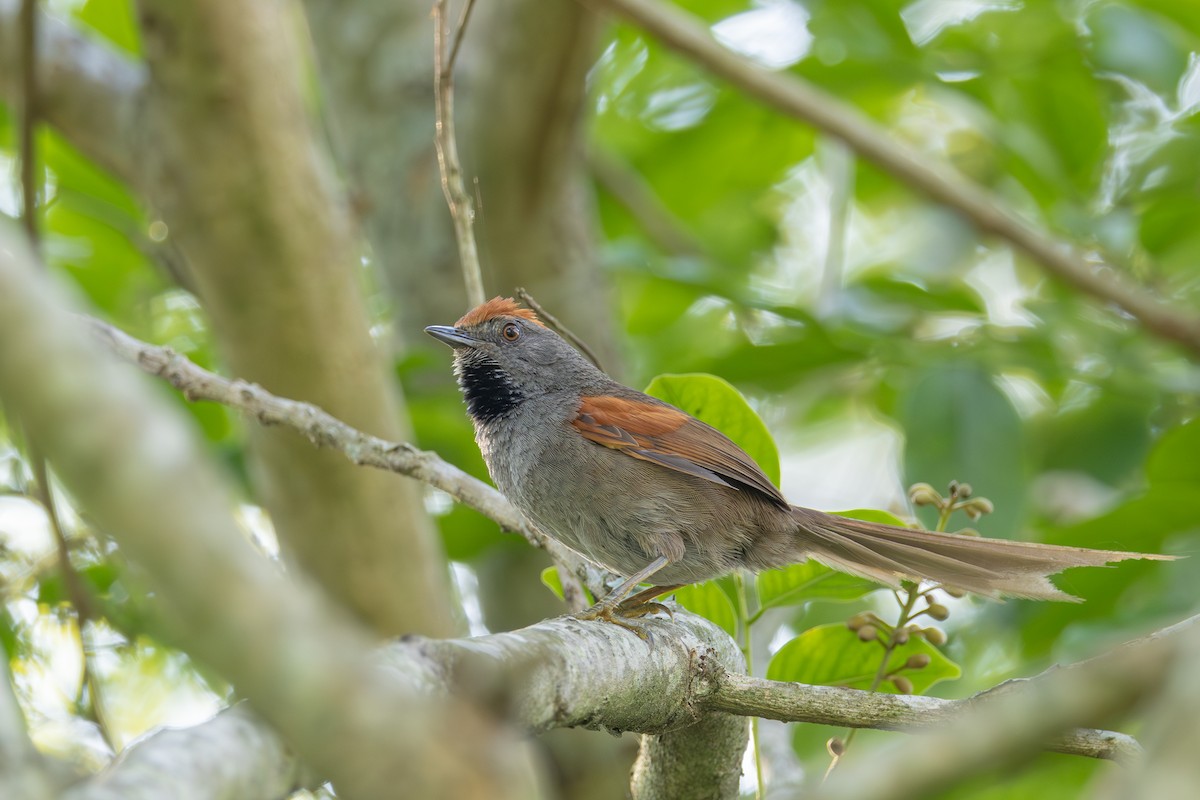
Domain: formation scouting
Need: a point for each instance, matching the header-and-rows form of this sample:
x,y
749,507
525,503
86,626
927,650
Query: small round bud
x,y
954,591
836,747
903,685
900,636
917,661
868,633
964,491
968,532
922,494
935,636
857,621
976,507
938,611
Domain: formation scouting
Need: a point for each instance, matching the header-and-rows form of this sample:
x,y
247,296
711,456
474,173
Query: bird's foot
x,y
624,614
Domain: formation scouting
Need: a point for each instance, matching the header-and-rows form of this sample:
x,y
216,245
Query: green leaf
x,y
717,402
709,601
833,655
1174,458
552,581
803,583
872,515
960,426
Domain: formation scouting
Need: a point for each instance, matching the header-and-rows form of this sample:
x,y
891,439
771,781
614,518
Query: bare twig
x,y
324,430
77,592
857,709
1006,725
459,31
462,210
786,92
29,114
554,323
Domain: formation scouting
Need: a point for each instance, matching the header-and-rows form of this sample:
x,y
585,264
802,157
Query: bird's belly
x,y
622,513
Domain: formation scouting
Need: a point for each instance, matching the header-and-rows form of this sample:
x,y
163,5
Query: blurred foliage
x,y
1083,116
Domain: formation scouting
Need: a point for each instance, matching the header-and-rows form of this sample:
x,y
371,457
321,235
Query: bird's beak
x,y
450,335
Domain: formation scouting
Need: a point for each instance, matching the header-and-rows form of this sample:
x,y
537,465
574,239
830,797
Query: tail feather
x,y
989,567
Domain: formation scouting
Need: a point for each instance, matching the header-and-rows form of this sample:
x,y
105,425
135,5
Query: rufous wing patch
x,y
668,437
496,307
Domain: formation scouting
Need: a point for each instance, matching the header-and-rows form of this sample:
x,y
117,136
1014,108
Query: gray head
x,y
504,355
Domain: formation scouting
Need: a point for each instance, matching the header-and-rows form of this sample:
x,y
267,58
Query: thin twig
x,y
553,322
29,113
318,426
77,593
790,94
855,708
459,31
462,210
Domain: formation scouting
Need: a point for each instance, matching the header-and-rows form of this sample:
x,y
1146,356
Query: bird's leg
x,y
620,609
642,603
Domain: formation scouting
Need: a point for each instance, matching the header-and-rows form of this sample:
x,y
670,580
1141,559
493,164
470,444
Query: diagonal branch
x,y
321,428
234,754
325,430
795,97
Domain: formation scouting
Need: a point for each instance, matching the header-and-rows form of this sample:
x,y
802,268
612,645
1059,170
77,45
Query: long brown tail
x,y
989,567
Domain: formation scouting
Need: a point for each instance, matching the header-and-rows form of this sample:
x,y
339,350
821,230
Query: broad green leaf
x,y
715,401
960,426
807,581
833,655
1176,457
1106,439
552,581
872,515
709,601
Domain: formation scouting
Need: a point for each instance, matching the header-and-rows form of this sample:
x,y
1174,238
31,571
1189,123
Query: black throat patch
x,y
489,391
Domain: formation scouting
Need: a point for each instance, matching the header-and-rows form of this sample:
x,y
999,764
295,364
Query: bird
x,y
649,492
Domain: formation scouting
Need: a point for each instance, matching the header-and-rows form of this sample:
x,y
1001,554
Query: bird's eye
x,y
511,332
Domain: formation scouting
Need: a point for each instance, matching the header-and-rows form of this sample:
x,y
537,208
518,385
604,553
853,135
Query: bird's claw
x,y
624,614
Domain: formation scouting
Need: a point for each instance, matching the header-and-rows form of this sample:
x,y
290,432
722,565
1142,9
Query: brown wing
x,y
668,437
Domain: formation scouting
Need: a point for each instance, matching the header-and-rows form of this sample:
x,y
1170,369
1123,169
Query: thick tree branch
x,y
133,465
1171,768
564,673
248,195
235,754
89,91
790,94
22,772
